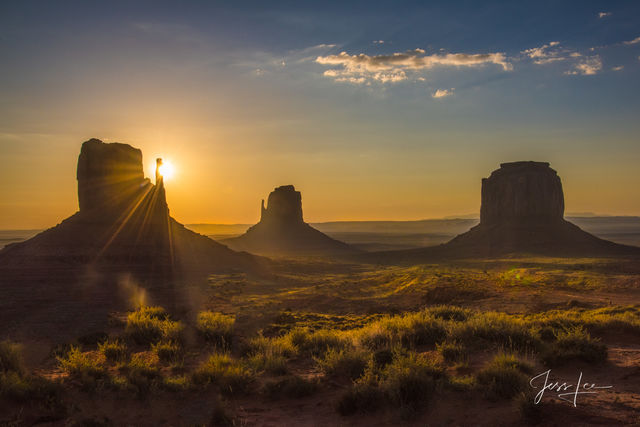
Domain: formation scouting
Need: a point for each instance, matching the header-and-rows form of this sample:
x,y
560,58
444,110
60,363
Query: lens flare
x,y
166,170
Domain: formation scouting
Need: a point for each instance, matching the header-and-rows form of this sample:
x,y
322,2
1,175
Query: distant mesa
x,y
282,230
123,224
522,212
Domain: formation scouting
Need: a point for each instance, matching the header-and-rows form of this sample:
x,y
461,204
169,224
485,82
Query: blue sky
x,y
389,110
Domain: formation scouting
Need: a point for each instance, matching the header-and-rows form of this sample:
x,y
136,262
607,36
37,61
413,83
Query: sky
x,y
373,110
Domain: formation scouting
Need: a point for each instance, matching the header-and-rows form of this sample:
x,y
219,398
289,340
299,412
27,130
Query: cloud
x,y
394,67
634,41
378,42
618,68
604,14
442,93
546,53
588,67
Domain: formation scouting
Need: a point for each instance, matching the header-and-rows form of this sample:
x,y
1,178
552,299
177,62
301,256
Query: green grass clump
x,y
505,377
316,343
177,383
278,346
10,358
411,379
410,330
227,373
291,386
113,351
85,367
451,312
216,328
168,351
452,351
142,372
499,329
270,363
574,344
344,363
152,324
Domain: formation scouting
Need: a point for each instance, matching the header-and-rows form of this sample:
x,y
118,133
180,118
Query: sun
x,y
166,169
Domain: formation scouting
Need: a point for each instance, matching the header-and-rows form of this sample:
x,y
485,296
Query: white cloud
x,y
604,14
634,41
546,53
378,42
442,93
394,67
588,67
618,68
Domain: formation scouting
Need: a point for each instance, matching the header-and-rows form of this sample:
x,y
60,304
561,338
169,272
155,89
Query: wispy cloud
x,y
634,41
587,67
604,14
378,42
618,68
394,67
578,63
442,93
546,53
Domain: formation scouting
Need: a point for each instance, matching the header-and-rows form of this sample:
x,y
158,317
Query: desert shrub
x,y
499,329
452,351
410,330
278,346
344,363
574,344
269,363
450,312
151,324
177,383
504,377
382,357
216,328
410,380
464,383
229,374
113,351
87,368
316,343
291,387
10,358
360,397
168,351
142,372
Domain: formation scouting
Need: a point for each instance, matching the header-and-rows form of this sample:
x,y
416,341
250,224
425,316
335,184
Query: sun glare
x,y
166,170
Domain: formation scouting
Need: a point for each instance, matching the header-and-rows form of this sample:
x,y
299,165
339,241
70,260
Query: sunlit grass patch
x,y
453,351
409,330
142,371
168,351
574,344
411,379
176,383
113,350
224,371
216,328
495,328
344,363
505,377
317,343
151,324
270,363
88,368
